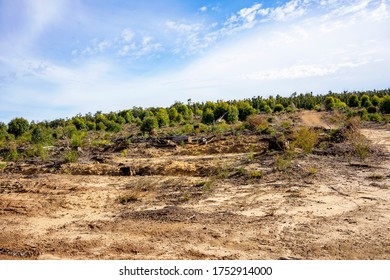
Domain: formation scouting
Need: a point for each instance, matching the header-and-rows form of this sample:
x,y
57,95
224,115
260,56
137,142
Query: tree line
x,y
370,105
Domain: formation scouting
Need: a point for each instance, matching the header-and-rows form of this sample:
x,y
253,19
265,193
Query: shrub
x,y
208,116
329,103
375,100
278,108
18,126
245,109
372,109
149,124
306,139
365,101
162,117
360,144
256,122
385,105
375,117
71,156
353,101
39,135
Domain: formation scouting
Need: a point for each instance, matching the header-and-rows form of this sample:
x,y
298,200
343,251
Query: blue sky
x,y
59,58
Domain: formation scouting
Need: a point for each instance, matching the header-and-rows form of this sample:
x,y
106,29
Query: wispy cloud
x,y
298,45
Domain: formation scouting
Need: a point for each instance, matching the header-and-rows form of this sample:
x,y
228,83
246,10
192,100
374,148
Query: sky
x,y
59,58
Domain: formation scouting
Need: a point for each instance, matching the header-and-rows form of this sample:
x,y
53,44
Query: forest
x,y
20,139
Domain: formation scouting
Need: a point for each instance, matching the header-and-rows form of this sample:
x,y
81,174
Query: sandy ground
x,y
206,205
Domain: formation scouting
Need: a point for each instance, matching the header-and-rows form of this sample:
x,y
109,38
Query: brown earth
x,y
224,200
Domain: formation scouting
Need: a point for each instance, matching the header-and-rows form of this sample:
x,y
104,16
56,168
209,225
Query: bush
x,y
372,109
40,135
162,117
385,105
208,116
375,100
278,108
329,103
245,109
306,139
256,122
149,124
375,117
353,101
18,126
365,101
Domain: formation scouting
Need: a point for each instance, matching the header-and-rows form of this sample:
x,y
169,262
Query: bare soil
x,y
223,200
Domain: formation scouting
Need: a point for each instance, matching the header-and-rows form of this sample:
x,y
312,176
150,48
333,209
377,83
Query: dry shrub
x,y
359,143
256,122
305,139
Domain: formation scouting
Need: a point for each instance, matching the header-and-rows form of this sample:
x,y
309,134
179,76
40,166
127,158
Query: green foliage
x,y
40,135
365,101
385,105
77,139
278,108
187,128
375,117
71,156
101,126
305,139
372,109
329,103
353,101
79,123
245,109
375,100
162,117
283,162
208,116
148,124
18,126
112,126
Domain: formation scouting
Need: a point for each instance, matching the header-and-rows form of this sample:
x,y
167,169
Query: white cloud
x,y
203,9
127,35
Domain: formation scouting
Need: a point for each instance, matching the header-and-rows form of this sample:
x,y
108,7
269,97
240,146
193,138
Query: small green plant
x,y
3,165
251,155
71,156
283,162
312,171
124,153
256,174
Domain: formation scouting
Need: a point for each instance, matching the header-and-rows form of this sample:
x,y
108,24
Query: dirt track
x,y
202,206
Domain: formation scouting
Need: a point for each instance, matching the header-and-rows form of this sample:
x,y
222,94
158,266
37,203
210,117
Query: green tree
x,y
278,108
208,116
18,126
40,135
376,101
162,117
329,103
245,109
365,101
148,124
79,123
385,104
353,101
232,115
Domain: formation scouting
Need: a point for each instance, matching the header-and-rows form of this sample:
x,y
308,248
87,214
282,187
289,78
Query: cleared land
x,y
228,199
